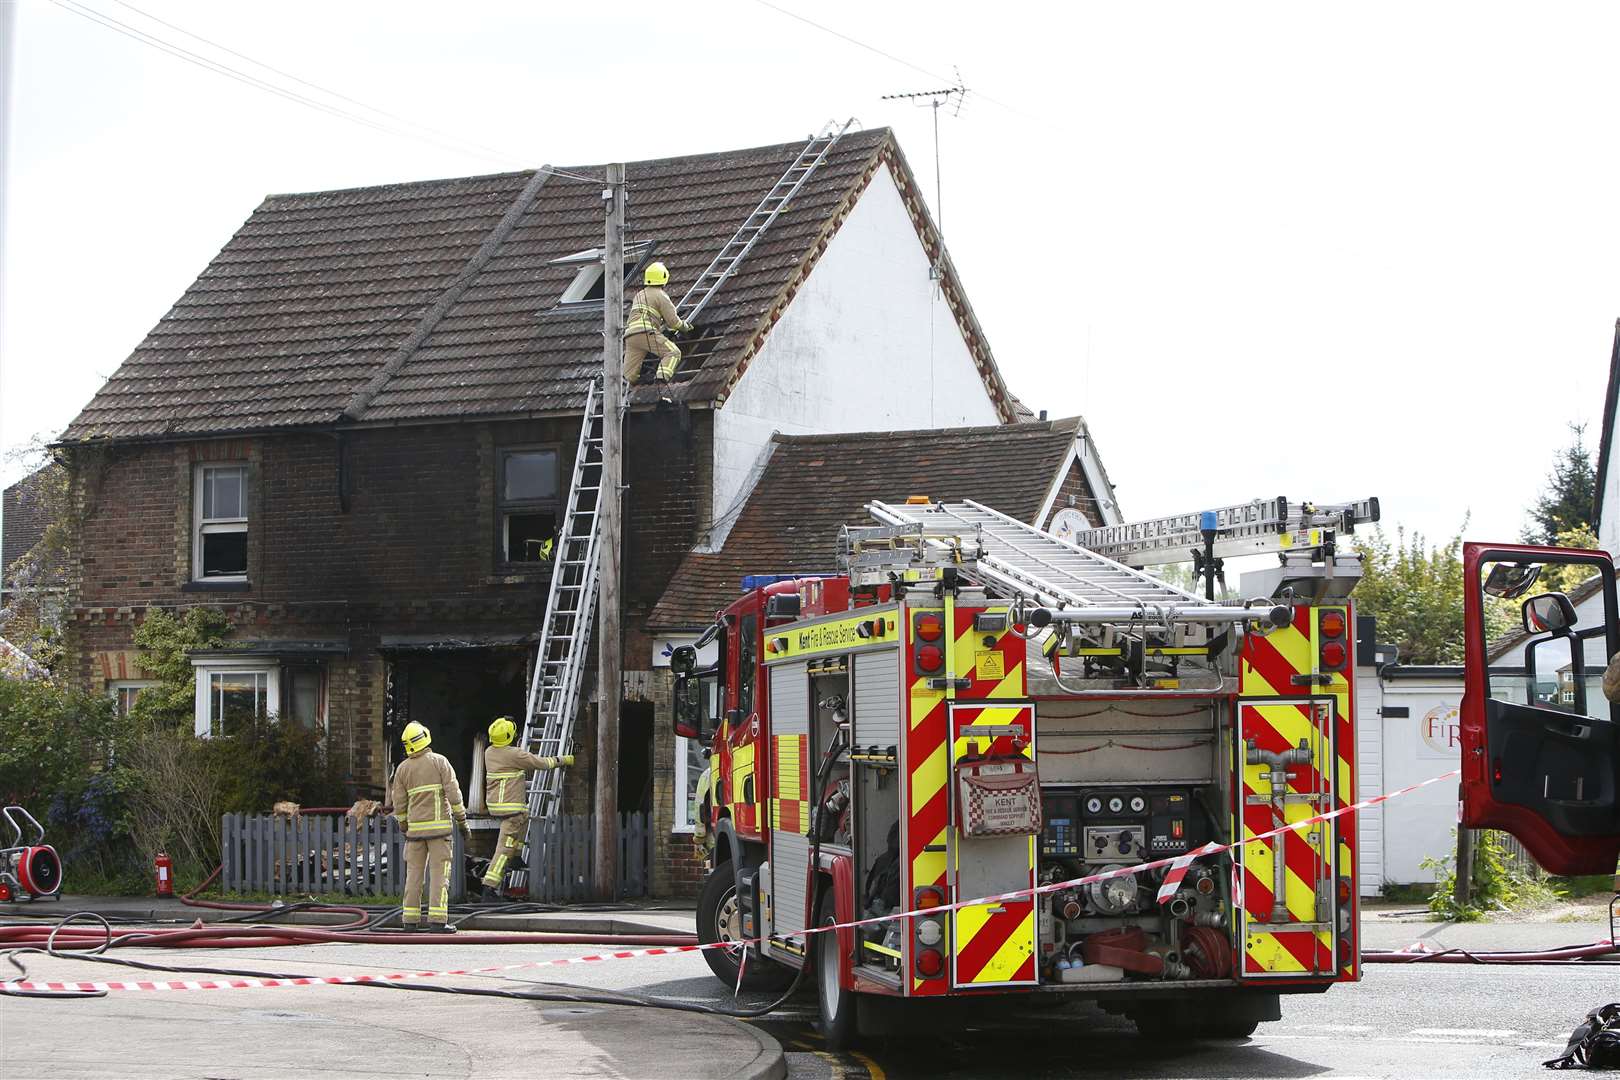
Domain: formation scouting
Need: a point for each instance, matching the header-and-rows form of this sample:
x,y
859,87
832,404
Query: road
x,y
1407,1021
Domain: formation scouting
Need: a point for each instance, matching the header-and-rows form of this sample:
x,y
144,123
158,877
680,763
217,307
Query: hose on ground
x,y
1584,955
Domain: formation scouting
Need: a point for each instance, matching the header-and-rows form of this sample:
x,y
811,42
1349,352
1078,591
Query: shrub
x,y
1498,883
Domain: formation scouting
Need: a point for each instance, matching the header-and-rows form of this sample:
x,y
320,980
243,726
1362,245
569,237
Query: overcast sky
x,y
1322,252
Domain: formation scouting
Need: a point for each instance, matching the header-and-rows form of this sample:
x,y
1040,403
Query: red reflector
x,y
1332,624
930,658
930,627
1496,770
928,898
5,892
930,963
1344,890
1347,959
1333,655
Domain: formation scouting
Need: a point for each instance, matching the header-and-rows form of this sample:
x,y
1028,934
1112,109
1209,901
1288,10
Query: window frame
x,y
286,673
201,526
115,688
505,508
203,717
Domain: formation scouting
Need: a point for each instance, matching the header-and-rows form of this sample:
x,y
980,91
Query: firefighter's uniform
x,y
427,802
506,772
652,317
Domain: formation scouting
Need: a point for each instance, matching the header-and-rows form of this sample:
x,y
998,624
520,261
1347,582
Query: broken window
x,y
528,505
220,513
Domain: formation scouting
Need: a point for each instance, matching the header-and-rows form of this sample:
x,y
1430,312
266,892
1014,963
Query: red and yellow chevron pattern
x,y
790,799
1296,934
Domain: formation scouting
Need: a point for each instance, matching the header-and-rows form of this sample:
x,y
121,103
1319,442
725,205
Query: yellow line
x,y
873,1070
837,1066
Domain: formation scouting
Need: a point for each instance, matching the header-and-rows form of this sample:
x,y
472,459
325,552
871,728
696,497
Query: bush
x,y
1498,883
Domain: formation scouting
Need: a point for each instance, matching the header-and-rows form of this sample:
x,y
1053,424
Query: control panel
x,y
1117,824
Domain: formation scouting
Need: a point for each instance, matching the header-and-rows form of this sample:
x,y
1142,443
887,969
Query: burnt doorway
x,y
635,757
454,693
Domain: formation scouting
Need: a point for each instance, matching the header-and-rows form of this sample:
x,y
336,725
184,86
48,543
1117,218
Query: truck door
x,y
1541,743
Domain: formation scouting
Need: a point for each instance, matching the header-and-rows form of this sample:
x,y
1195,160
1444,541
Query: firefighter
x,y
506,770
652,316
426,798
1611,679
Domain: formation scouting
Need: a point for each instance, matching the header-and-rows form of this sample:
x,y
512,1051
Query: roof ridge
x,y
1031,427
399,185
452,292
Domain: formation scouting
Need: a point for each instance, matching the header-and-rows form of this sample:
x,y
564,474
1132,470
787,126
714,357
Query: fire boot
x,y
441,928
492,894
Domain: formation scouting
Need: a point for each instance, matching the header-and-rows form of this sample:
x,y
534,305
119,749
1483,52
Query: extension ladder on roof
x,y
565,635
753,227
1018,560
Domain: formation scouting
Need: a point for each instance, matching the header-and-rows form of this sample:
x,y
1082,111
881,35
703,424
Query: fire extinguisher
x,y
165,876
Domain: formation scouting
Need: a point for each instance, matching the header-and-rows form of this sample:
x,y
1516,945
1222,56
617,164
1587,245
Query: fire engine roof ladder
x,y
1262,526
1073,584
565,633
753,227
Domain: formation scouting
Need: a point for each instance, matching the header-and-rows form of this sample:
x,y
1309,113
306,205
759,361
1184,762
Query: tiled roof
x,y
25,515
439,300
813,484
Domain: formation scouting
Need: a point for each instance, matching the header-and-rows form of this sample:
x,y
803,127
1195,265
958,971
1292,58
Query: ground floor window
x,y
236,693
125,691
689,765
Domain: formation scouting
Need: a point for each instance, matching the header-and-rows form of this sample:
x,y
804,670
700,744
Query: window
x,y
220,533
303,695
528,505
125,691
690,761
746,666
587,286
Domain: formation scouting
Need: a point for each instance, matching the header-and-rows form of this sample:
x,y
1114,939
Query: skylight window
x,y
588,286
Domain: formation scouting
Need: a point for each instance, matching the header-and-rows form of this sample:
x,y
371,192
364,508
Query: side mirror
x,y
1510,581
688,706
1550,612
683,660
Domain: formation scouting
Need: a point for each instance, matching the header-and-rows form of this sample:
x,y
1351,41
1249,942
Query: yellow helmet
x,y
501,731
656,274
415,737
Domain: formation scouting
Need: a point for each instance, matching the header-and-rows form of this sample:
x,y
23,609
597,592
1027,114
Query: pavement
x,y
1420,1020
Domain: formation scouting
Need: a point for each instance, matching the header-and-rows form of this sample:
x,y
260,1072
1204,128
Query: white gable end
x,y
867,344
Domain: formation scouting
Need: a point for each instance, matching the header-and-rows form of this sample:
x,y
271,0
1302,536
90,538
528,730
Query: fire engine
x,y
973,707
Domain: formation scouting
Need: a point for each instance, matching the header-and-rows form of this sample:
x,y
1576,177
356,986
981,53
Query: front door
x,y
1541,742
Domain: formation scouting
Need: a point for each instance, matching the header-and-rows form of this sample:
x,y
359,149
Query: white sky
x,y
1324,252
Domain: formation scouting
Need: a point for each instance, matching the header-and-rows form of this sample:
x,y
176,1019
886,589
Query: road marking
x,y
873,1070
1468,1033
1342,1029
837,1066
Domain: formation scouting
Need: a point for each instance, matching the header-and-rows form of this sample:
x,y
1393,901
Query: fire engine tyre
x,y
719,918
1210,1018
835,1004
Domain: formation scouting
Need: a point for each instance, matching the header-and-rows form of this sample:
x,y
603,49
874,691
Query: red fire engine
x,y
974,707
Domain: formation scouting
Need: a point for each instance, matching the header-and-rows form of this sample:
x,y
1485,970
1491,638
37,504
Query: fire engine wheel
x,y
1179,1020
835,1004
719,919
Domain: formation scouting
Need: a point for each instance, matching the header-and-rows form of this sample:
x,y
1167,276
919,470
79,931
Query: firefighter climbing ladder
x,y
565,635
753,227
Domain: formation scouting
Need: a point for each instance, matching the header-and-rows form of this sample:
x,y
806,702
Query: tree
x,y
1566,504
1416,593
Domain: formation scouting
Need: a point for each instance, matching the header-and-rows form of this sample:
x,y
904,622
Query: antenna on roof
x,y
953,97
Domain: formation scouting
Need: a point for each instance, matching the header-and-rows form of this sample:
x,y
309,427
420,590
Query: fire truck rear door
x,y
992,944
1541,743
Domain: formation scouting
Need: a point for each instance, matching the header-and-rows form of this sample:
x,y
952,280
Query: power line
x,y
313,86
218,68
886,55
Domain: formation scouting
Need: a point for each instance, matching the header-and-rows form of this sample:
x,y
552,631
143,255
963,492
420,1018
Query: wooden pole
x,y
610,661
1463,890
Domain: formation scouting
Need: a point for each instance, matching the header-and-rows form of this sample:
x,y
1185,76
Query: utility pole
x,y
610,660
1463,890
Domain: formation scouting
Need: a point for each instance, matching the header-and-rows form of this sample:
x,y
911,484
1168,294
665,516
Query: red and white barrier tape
x,y
1181,862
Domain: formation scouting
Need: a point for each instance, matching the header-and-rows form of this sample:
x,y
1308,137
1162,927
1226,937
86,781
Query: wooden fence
x,y
560,850
327,854
320,854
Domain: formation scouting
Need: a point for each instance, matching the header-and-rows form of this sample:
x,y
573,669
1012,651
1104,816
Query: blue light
x,y
1208,521
750,582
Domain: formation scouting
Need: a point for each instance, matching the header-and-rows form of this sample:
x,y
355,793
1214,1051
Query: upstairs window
x,y
220,523
528,505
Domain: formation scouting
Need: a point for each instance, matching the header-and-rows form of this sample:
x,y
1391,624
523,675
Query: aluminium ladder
x,y
565,634
753,227
1259,527
1022,561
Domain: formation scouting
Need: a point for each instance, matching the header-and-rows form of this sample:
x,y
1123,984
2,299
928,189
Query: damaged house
x,y
354,433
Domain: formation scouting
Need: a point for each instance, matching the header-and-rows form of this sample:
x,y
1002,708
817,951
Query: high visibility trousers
x,y
507,846
639,346
429,858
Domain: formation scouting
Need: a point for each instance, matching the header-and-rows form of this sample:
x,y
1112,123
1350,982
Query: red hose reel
x,y
28,871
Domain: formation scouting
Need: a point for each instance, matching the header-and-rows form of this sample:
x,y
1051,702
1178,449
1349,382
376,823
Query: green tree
x,y
1571,489
1416,593
166,641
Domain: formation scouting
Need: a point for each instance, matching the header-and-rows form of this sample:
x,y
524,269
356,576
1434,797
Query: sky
x,y
1321,251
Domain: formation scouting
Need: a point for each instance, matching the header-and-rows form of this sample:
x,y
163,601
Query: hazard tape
x,y
671,950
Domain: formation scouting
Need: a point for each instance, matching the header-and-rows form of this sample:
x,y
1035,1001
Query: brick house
x,y
353,431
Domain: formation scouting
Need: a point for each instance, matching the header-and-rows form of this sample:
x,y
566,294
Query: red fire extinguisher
x,y
165,876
